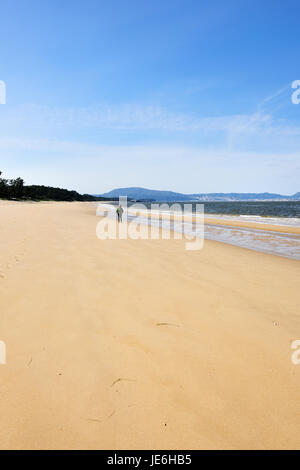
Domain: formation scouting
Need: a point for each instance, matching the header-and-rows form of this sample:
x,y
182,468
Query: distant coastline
x,y
144,194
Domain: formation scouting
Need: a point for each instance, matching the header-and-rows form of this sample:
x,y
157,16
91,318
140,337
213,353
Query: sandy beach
x,y
140,344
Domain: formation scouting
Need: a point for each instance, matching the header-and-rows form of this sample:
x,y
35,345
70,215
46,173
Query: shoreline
x,y
210,219
283,240
256,225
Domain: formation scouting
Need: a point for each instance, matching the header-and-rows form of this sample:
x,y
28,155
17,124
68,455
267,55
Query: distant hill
x,y
143,194
147,194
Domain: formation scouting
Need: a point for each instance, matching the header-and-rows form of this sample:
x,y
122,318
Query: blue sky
x,y
183,95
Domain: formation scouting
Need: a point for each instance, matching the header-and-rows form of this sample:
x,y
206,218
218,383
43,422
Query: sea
x,y
276,213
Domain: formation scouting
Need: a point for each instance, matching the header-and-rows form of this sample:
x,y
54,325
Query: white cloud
x,y
135,117
97,168
246,152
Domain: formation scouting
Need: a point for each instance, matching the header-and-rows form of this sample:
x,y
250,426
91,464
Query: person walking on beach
x,y
120,211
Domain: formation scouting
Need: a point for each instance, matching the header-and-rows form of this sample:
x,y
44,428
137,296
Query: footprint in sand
x,y
121,379
95,420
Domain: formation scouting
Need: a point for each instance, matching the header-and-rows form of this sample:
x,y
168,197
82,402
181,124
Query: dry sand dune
x,y
142,344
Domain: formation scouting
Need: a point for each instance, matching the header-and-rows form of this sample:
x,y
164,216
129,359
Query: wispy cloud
x,y
136,117
276,94
97,168
256,131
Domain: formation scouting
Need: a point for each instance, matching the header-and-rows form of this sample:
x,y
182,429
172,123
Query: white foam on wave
x,y
282,221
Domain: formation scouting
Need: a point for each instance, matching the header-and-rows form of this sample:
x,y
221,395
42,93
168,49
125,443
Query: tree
x,y
16,188
4,190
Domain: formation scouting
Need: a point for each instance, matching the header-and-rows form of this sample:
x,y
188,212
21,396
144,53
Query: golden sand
x,y
124,344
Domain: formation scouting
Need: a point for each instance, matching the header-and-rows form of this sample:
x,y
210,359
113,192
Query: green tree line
x,y
16,189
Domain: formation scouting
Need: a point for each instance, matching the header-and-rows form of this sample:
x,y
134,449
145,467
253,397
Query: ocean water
x,y
281,213
274,209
